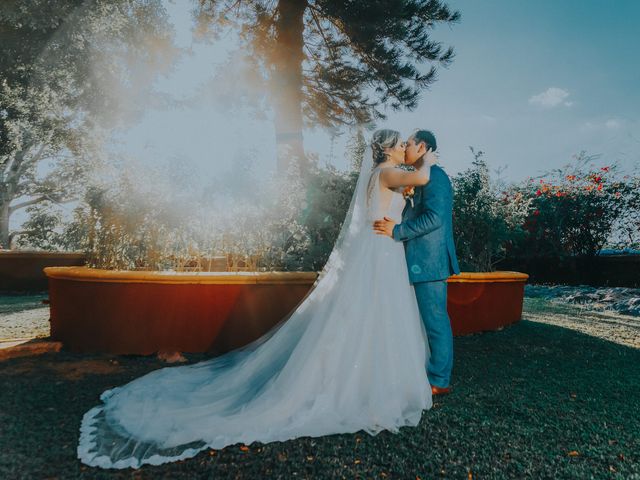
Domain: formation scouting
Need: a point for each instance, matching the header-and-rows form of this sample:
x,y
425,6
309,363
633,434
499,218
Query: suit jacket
x,y
427,230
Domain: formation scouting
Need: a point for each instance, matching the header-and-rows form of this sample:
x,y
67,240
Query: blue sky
x,y
535,82
532,84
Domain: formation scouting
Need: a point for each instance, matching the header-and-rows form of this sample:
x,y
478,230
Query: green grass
x,y
524,398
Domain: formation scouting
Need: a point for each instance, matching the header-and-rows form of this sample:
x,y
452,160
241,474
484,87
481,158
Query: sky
x,y
534,83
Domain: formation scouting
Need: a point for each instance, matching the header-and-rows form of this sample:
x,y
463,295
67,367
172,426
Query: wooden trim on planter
x,y
488,277
41,254
86,274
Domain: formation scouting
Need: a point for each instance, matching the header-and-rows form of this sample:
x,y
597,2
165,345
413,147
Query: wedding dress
x,y
351,357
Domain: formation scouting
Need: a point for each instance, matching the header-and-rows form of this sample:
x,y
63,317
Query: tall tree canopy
x,y
62,65
337,62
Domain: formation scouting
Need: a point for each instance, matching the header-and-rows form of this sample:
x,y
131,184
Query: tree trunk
x,y
287,83
4,224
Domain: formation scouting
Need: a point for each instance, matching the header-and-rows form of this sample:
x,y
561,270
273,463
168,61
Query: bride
x,y
351,357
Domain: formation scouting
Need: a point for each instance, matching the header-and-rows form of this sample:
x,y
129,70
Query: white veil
x,y
150,419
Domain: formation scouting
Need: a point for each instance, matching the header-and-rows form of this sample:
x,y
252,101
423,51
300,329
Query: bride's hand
x,y
430,158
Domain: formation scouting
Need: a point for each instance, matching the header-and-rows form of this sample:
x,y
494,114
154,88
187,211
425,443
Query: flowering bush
x,y
575,210
486,218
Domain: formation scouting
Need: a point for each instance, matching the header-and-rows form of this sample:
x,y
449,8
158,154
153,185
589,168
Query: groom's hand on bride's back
x,y
384,227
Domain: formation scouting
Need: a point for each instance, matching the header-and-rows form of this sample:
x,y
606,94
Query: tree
x,y
336,62
58,62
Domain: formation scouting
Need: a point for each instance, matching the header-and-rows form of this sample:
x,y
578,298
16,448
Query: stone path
x,y
26,324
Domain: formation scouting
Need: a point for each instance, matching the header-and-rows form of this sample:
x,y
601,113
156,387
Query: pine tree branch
x,y
332,53
370,62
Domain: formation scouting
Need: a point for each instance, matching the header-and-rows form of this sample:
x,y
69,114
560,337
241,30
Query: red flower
x,y
537,212
538,193
605,169
599,187
597,179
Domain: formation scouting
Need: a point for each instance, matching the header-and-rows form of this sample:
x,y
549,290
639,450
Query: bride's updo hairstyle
x,y
383,139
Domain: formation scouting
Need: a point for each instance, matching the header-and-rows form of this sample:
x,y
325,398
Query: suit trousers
x,y
432,302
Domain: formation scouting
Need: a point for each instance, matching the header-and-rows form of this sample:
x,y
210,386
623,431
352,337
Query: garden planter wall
x,y
22,271
144,312
479,302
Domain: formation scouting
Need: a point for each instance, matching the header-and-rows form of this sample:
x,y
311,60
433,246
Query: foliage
x,y
165,223
328,196
486,219
64,66
576,209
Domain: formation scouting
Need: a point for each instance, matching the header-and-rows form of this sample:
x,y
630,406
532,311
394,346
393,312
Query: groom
x,y
427,233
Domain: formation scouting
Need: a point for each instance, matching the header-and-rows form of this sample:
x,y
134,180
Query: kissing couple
x,y
365,350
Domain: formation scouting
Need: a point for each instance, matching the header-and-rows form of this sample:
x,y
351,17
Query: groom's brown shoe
x,y
440,390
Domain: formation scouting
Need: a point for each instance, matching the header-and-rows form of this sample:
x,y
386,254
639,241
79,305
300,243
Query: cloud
x,y
488,119
610,124
613,124
551,97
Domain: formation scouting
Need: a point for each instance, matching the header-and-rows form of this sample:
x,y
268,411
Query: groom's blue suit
x,y
427,233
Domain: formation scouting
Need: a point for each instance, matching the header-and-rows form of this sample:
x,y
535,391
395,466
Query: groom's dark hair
x,y
427,137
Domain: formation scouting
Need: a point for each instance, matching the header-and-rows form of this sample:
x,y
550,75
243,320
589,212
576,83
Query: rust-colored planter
x,y
129,312
479,302
21,270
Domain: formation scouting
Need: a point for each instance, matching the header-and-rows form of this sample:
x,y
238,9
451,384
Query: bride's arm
x,y
395,177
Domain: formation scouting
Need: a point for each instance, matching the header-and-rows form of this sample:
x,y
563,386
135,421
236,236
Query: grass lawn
x,y
535,400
